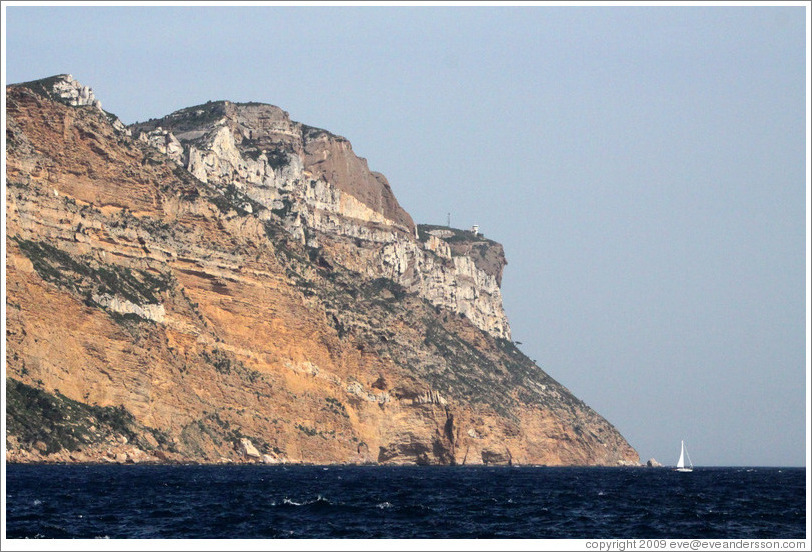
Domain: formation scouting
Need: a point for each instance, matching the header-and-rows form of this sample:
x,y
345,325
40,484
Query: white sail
x,y
681,464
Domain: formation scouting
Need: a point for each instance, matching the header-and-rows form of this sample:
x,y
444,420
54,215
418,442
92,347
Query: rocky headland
x,y
224,284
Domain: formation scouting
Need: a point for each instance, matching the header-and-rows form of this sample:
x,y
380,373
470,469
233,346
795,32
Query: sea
x,y
414,502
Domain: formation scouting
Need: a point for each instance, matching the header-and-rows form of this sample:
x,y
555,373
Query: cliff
x,y
311,182
227,285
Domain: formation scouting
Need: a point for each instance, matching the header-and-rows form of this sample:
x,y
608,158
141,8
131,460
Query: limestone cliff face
x,y
325,195
174,295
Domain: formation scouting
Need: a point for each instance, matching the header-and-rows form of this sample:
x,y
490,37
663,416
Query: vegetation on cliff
x,y
52,422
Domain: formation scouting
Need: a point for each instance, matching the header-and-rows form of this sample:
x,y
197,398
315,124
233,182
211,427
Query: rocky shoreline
x,y
134,455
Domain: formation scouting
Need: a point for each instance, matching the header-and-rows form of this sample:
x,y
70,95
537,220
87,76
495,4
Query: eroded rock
x,y
247,449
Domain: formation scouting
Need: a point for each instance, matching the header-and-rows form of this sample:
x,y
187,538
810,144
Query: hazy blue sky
x,y
644,168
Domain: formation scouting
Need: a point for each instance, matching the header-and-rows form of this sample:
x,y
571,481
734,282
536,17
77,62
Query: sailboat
x,y
681,464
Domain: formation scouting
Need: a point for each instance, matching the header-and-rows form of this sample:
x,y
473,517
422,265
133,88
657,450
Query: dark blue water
x,y
84,501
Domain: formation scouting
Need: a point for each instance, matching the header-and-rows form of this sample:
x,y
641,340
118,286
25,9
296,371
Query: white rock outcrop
x,y
70,91
74,93
222,150
165,142
154,312
248,449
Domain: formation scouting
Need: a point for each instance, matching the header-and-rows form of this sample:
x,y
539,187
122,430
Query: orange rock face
x,y
151,317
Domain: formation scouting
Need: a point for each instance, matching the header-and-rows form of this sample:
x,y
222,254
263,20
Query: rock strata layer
x,y
226,285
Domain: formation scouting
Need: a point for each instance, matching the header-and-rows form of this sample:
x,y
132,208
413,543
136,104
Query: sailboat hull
x,y
684,469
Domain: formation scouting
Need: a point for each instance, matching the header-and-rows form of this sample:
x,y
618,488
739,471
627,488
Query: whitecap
x,y
290,502
383,505
37,502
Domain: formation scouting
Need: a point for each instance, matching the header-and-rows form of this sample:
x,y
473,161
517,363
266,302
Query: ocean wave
x,y
318,501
